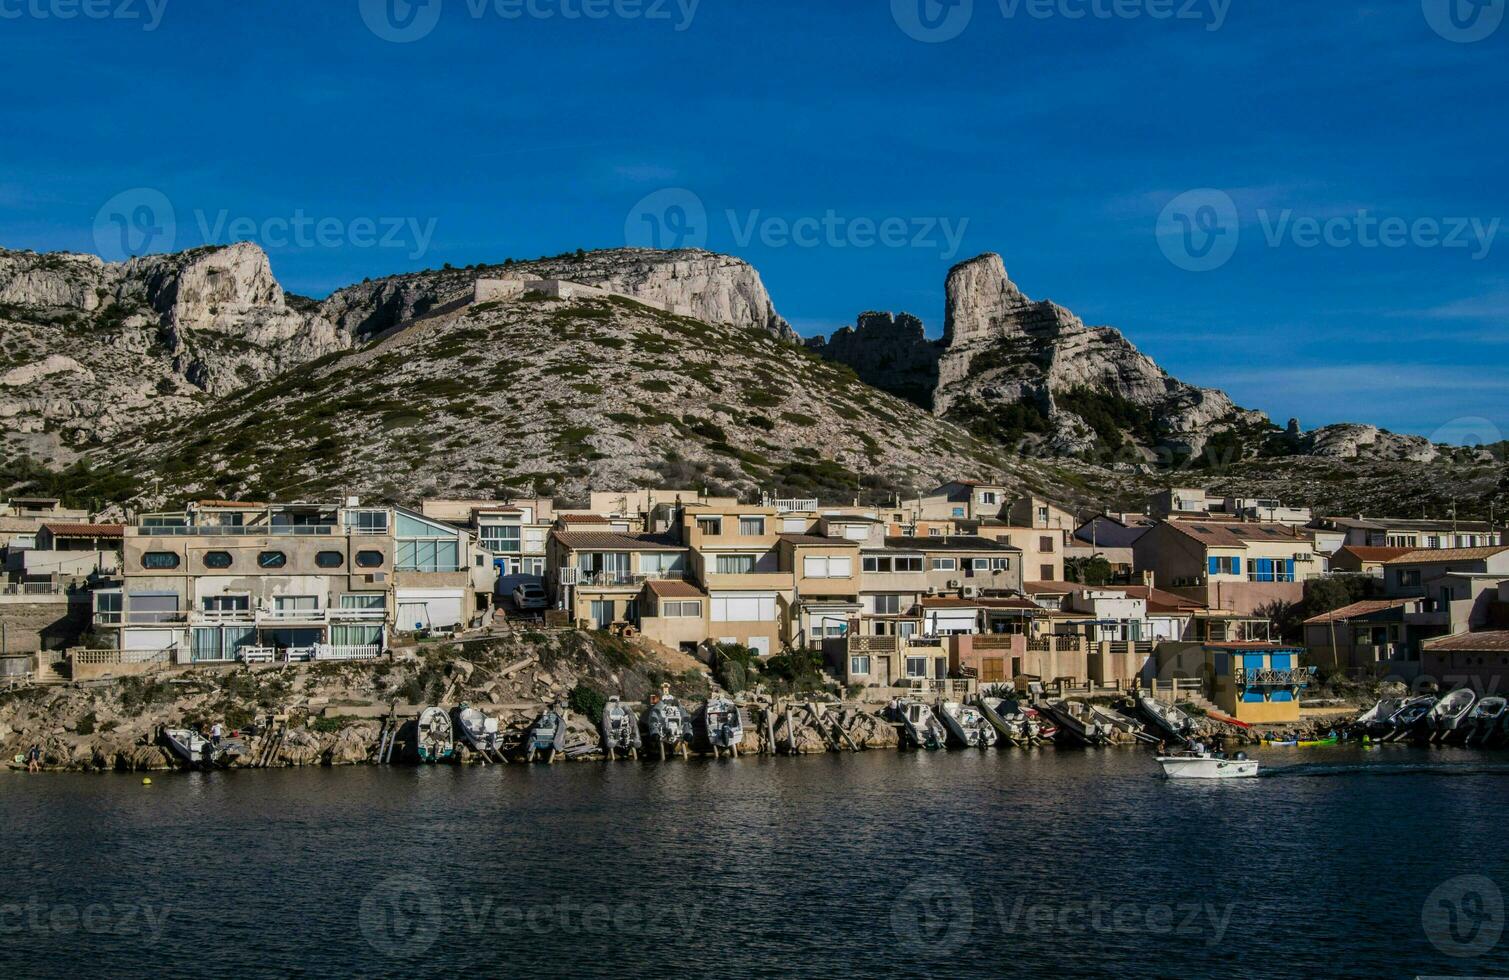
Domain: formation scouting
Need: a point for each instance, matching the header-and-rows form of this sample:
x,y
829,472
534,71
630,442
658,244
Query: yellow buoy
x,y
146,780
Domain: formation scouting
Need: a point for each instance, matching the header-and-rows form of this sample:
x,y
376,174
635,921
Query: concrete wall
x,y
34,623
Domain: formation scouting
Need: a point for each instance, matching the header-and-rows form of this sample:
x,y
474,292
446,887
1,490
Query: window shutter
x,y
1215,565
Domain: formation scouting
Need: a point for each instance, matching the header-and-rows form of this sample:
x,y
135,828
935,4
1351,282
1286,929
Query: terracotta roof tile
x,y
1357,609
668,588
614,541
1426,556
86,530
1372,553
1483,641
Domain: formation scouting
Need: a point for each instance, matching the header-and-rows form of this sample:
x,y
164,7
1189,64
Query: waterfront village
x,y
964,616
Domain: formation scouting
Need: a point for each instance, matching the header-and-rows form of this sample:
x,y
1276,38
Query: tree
x,y
1091,570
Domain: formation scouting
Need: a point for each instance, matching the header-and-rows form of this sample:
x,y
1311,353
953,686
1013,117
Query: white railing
x,y
267,655
222,616
787,505
601,579
370,651
33,588
351,613
158,616
293,615
106,657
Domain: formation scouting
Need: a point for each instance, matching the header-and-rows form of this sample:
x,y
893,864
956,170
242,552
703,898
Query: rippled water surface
x,y
1339,862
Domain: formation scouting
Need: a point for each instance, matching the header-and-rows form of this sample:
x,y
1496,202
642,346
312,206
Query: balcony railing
x,y
614,579
318,651
245,531
151,617
292,615
1268,677
97,658
368,615
223,616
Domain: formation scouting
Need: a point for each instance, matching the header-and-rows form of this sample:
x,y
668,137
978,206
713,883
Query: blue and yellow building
x,y
1258,683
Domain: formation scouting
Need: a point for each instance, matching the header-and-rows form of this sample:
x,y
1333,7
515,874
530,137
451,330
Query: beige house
x,y
220,582
826,576
735,554
511,531
1230,565
597,576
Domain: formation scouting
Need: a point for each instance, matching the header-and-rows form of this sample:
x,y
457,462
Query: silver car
x,y
530,595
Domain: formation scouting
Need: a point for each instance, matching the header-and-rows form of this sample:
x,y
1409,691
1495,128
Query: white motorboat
x,y
620,728
1075,722
1375,720
1483,723
1207,765
1166,718
919,725
547,736
667,724
199,752
1450,712
1411,715
1006,716
478,730
434,737
966,727
722,726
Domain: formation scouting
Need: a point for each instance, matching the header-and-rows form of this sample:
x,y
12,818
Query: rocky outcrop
x,y
889,351
1352,441
706,286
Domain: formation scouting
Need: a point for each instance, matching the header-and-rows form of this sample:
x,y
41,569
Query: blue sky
x,y
1068,144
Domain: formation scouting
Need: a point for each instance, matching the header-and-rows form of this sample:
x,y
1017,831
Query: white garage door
x,y
428,608
951,621
150,639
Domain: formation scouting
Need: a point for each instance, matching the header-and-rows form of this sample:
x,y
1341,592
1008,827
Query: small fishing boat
x,y
1075,722
1484,721
1409,717
722,726
547,736
920,728
1118,727
1006,717
1207,765
435,739
1375,720
965,726
199,752
1039,727
620,729
478,730
667,725
1450,712
1167,719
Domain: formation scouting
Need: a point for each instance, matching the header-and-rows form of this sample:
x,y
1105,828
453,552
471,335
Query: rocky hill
x,y
196,373
1016,369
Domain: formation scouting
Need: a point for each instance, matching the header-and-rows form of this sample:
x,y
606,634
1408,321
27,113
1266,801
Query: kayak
x,y
1328,740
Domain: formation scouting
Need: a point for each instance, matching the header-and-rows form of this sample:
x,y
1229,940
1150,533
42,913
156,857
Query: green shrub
x,y
587,701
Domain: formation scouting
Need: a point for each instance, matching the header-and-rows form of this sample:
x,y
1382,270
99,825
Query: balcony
x,y
1270,678
344,614
214,616
286,616
749,581
246,531
615,580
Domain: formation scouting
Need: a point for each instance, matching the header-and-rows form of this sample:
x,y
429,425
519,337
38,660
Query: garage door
x,y
428,608
150,639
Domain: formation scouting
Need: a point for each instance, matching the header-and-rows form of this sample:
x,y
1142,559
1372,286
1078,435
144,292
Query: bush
x,y
587,701
733,665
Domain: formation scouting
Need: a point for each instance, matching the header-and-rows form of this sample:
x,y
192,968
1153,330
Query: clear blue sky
x,y
1054,140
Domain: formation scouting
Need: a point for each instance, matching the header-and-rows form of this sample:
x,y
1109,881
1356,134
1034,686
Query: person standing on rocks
x,y
34,758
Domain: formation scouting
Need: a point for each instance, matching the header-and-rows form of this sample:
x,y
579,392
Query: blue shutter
x,y
1289,567
1215,565
1236,566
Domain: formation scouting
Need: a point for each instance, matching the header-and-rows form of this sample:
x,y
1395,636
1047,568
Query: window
x,y
425,546
225,603
295,604
793,525
330,559
911,563
945,564
681,608
735,564
934,532
1045,544
369,559
153,607
367,521
987,496
856,532
710,525
1409,577
534,566
743,609
874,563
958,511
503,538
271,559
1042,516
1000,564
363,600
1225,565
887,605
661,563
859,665
820,566
980,564
159,559
751,527
217,559
916,666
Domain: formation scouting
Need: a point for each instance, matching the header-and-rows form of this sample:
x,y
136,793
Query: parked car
x,y
530,595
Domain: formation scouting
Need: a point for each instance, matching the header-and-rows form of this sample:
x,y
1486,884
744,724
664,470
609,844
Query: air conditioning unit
x,y
953,583
969,591
1304,556
377,578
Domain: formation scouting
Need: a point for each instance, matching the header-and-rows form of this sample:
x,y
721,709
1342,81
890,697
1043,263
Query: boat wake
x,y
1316,769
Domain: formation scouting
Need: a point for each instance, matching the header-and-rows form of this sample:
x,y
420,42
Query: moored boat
x,y
1486,717
546,738
667,725
1375,720
1207,765
434,737
722,726
620,729
478,730
920,728
965,726
1410,716
1006,717
199,752
1169,721
1075,722
1450,713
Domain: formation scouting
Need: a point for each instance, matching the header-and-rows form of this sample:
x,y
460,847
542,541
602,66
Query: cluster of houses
x,y
966,583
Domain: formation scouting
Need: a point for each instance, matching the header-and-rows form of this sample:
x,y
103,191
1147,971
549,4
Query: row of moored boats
x,y
1459,717
994,720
